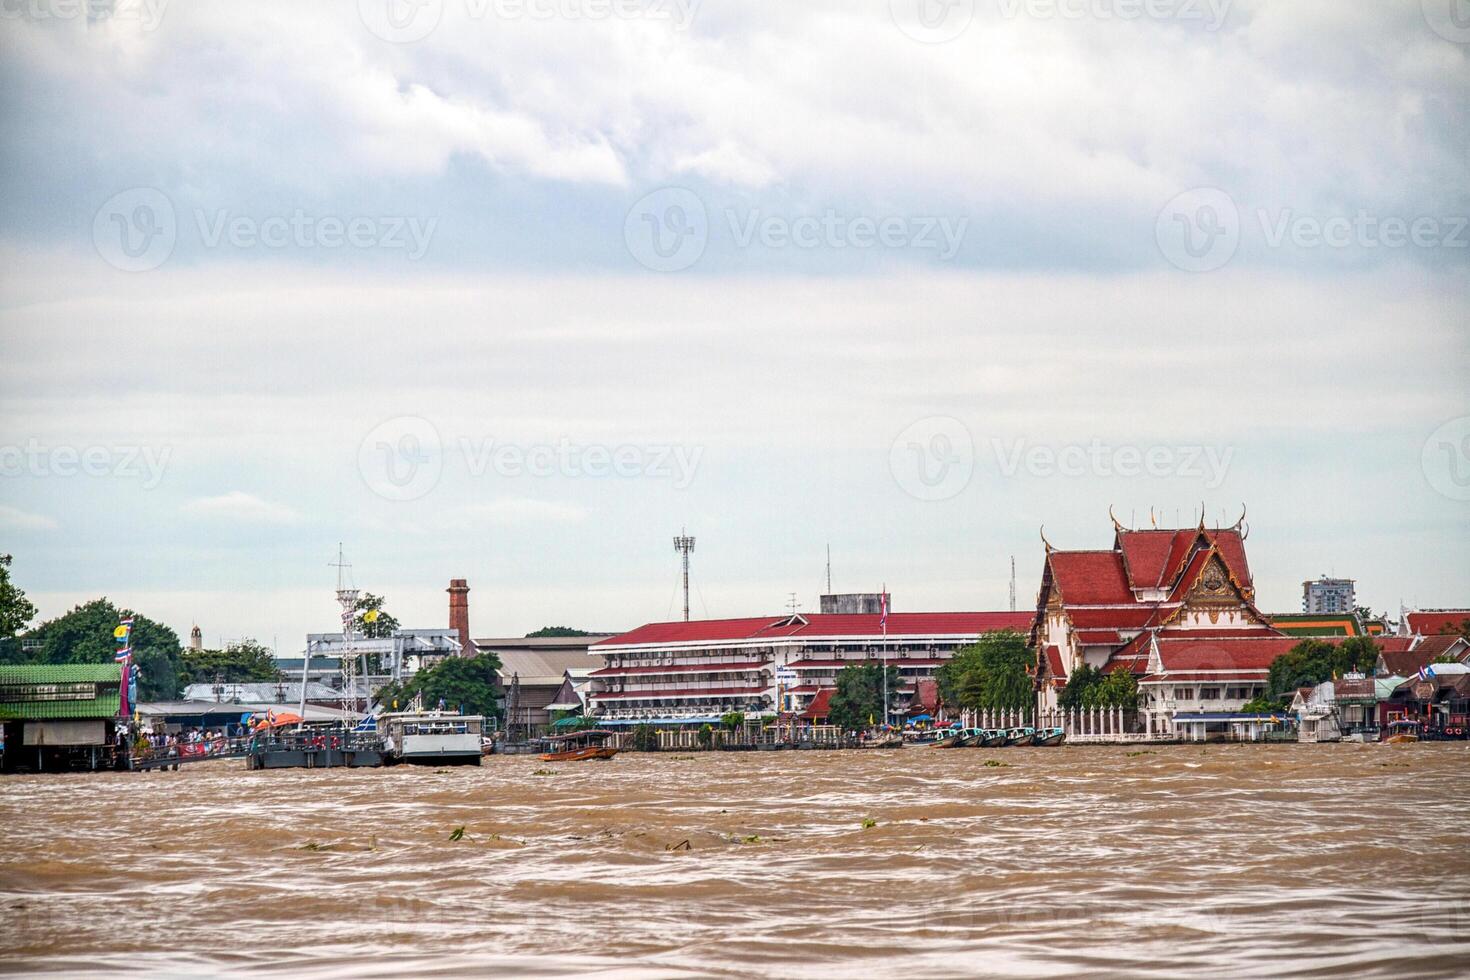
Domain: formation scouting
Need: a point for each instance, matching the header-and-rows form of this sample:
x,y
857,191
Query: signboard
x,y
89,732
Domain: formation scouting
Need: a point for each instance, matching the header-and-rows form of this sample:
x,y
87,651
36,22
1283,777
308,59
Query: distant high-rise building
x,y
196,638
1328,595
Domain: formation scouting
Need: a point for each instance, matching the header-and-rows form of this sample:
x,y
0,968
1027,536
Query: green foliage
x,y
859,695
1446,658
384,624
239,663
15,611
84,636
645,738
1313,661
467,683
991,674
1089,687
1263,705
706,736
556,631
732,720
457,833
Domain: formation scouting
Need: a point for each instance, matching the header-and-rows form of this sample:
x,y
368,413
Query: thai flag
x,y
1426,673
883,614
123,653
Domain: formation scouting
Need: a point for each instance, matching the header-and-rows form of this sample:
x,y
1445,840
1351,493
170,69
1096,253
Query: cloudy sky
x,y
513,290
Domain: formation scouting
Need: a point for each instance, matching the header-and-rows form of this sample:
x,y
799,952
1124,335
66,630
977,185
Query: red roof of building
x,y
926,698
1434,621
818,625
820,706
1054,668
1090,578
1253,653
1405,657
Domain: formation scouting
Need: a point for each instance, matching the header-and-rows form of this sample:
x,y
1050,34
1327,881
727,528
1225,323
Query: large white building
x,y
689,672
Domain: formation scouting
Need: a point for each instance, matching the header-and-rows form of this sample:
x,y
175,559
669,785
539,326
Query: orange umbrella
x,y
276,719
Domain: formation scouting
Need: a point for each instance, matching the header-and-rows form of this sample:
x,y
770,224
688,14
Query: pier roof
x,y
36,692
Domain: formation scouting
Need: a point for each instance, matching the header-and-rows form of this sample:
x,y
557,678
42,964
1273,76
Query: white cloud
x,y
15,519
238,505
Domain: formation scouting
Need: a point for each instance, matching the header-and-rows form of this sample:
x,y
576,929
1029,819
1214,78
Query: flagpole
x,y
885,655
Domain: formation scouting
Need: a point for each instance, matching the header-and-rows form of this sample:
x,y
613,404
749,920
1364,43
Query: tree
x,y
645,738
15,611
556,631
991,674
370,619
732,719
240,662
470,684
859,695
1313,661
84,636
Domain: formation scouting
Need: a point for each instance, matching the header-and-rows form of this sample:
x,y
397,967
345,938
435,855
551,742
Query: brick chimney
x,y
459,614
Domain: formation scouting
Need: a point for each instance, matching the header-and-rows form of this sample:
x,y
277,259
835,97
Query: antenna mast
x,y
684,544
829,568
347,599
1013,583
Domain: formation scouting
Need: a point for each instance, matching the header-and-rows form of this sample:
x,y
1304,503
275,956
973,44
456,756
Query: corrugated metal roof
x,y
60,673
19,700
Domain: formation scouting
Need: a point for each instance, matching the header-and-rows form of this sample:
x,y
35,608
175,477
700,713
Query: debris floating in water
x,y
457,833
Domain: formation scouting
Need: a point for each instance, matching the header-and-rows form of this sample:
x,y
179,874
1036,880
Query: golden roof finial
x,y
1044,541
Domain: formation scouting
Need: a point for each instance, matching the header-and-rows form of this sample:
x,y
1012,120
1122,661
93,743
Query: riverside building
x,y
693,672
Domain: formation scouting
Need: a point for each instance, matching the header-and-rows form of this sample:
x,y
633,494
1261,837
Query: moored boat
x,y
1020,736
579,746
1049,736
431,738
992,738
947,742
968,738
893,740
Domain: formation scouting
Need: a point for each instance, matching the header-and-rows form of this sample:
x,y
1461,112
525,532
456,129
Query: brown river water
x,y
1226,860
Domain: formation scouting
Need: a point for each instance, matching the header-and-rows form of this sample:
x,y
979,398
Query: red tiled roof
x,y
1089,578
714,665
1399,659
820,625
820,706
1430,622
1253,653
1054,668
926,697
1094,637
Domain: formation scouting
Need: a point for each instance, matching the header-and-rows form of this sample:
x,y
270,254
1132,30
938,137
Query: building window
x,y
1209,694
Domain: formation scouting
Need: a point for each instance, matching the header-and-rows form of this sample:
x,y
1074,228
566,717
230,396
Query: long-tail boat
x,y
1049,736
1020,736
579,746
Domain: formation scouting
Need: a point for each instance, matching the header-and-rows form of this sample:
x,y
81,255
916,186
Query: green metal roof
x,y
35,692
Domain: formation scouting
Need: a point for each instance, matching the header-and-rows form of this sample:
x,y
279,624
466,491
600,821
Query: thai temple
x,y
1174,607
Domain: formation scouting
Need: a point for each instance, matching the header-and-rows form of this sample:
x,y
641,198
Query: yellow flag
x,y
371,616
120,632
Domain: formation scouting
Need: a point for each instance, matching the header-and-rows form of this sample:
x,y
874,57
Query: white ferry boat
x,y
431,738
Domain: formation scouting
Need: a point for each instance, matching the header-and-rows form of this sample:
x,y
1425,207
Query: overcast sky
x,y
513,291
